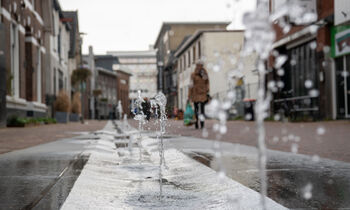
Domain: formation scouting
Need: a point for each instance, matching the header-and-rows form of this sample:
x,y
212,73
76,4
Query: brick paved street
x,y
333,144
20,138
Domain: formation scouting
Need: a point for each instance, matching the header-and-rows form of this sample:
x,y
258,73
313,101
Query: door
x,y
3,77
343,86
346,75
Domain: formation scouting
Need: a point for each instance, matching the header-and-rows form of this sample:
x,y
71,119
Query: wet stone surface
x,y
330,186
40,177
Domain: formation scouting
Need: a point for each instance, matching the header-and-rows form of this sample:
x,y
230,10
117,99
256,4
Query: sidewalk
x,y
304,138
20,138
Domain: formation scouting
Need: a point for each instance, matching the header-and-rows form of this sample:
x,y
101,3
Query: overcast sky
x,y
135,24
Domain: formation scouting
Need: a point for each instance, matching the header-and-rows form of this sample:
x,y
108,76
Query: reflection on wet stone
x,y
286,183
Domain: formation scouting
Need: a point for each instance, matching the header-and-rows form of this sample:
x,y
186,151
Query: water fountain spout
x,y
140,116
161,101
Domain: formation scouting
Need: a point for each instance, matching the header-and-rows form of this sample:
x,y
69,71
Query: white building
x,y
143,68
57,41
220,52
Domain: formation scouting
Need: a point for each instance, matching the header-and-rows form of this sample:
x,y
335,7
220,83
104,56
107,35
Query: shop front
x,y
341,55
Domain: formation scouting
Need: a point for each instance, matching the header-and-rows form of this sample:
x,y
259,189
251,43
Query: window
x,y
39,83
59,44
54,81
189,58
194,54
305,68
14,61
184,57
199,50
60,81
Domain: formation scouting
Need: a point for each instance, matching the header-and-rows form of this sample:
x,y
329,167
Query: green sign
x,y
340,36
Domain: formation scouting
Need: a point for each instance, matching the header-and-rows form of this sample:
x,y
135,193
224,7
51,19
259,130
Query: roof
x,y
183,42
166,25
106,71
145,53
195,36
106,61
123,72
71,17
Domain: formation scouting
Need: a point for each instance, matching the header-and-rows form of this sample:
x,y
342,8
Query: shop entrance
x,y
343,86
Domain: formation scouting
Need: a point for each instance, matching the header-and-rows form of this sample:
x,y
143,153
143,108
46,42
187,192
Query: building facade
x,y
89,63
340,52
106,83
314,85
219,50
123,88
23,62
57,42
169,39
75,42
141,65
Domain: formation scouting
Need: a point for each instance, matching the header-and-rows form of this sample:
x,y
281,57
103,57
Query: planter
x,y
62,117
74,117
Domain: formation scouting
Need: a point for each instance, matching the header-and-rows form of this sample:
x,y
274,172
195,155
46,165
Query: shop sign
x,y
340,36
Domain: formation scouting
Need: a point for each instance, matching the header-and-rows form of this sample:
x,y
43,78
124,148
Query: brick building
x,y
310,68
106,83
24,49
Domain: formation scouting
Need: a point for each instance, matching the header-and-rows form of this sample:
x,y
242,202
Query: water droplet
x,y
280,60
216,68
280,84
248,116
216,127
271,84
287,28
326,49
345,74
313,29
307,191
321,131
277,117
308,84
324,64
171,33
315,158
201,117
313,93
293,62
221,176
223,129
205,133
294,148
313,45
280,72
275,139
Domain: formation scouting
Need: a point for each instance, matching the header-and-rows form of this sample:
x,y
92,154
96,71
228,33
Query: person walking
x,y
199,92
